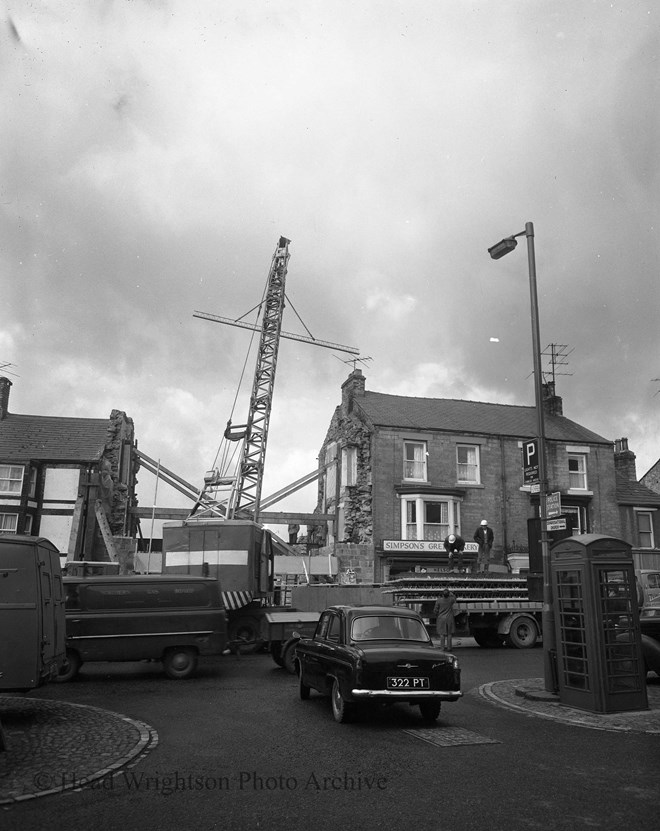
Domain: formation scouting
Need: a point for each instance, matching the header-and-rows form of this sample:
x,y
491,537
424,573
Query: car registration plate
x,y
405,683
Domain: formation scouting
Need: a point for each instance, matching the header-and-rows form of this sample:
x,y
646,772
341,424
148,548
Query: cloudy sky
x,y
152,153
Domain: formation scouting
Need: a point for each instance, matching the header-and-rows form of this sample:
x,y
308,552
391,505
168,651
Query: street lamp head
x,y
503,247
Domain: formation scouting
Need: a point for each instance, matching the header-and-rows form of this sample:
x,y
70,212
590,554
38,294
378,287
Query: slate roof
x,y
634,493
52,438
475,417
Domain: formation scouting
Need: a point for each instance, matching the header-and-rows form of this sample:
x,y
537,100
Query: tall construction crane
x,y
245,496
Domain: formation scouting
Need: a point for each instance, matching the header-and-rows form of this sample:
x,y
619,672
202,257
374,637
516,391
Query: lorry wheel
x,y
71,666
487,638
180,663
276,652
343,711
245,635
430,711
523,633
289,657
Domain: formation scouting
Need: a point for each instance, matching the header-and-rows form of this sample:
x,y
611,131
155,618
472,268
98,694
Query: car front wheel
x,y
343,711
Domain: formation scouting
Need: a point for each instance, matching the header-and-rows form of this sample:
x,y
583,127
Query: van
x,y
32,649
169,618
649,582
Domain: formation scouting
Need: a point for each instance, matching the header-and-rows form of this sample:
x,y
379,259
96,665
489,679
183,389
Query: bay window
x,y
428,518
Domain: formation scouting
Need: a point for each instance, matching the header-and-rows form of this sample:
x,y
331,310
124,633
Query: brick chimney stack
x,y
624,460
552,403
5,384
352,387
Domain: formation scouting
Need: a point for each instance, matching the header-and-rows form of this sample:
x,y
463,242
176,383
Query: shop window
x,y
414,460
467,464
11,479
579,515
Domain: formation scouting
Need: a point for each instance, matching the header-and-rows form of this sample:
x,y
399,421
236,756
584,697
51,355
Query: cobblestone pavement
x,y
529,697
52,746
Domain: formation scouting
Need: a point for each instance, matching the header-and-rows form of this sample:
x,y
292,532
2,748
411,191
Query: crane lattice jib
x,y
247,493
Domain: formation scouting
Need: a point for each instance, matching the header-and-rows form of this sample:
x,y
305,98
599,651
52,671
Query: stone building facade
x,y
401,473
55,470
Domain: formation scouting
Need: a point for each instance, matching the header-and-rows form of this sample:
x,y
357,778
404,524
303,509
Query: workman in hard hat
x,y
454,546
484,536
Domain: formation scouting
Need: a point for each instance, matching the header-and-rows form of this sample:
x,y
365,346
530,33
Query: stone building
x,y
639,507
56,472
401,473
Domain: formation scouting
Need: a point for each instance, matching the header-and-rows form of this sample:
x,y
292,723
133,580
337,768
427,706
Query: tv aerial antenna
x,y
558,355
3,368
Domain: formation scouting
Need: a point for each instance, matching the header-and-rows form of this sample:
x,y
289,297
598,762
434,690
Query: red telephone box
x,y
599,654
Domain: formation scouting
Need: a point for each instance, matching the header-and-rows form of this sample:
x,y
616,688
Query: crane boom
x,y
245,497
246,494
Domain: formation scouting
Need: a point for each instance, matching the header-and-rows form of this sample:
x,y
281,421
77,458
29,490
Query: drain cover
x,y
449,736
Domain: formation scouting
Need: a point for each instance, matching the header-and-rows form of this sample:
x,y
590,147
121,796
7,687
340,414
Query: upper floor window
x,y
414,460
645,537
467,464
8,523
11,478
577,471
348,466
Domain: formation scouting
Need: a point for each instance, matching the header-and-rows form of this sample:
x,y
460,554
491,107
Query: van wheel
x,y
71,666
180,663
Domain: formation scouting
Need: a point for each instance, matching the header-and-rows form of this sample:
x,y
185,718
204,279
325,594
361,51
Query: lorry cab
x,y
32,649
169,618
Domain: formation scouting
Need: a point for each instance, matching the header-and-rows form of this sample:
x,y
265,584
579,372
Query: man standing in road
x,y
483,536
444,618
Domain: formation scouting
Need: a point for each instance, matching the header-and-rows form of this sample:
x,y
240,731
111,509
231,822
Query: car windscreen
x,y
390,627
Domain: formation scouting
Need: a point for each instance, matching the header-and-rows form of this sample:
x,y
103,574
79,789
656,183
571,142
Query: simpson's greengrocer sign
x,y
423,545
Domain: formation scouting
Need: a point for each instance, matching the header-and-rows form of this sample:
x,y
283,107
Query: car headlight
x,y
650,613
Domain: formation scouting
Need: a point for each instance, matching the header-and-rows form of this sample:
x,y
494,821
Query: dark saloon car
x,y
376,654
649,623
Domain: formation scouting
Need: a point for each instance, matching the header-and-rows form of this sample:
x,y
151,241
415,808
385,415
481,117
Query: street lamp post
x,y
547,616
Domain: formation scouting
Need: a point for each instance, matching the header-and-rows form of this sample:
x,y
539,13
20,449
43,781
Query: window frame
x,y
423,462
7,530
11,478
581,458
349,466
640,512
477,465
419,502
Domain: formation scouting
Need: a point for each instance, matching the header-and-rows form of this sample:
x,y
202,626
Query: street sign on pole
x,y
531,462
553,504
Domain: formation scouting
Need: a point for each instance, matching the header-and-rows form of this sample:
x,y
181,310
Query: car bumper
x,y
407,695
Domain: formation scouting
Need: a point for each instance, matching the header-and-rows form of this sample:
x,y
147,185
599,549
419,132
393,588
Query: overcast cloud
x,y
153,153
